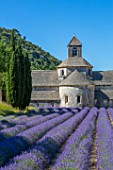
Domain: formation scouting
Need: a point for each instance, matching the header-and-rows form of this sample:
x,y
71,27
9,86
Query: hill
x,y
40,59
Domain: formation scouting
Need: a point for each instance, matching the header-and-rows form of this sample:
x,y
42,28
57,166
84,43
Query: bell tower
x,y
74,48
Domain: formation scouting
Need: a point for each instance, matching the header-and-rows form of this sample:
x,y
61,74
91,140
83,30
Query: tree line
x,y
15,73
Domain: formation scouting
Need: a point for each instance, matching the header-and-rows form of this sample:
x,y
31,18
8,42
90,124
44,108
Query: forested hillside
x,y
40,60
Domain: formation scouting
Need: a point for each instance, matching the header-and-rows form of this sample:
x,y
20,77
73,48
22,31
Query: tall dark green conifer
x,y
27,85
12,41
13,77
2,64
10,70
19,83
20,71
28,79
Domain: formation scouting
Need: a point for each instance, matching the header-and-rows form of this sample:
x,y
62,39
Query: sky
x,y
51,24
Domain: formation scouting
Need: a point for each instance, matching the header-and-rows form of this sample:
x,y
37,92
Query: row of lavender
x,y
42,153
8,121
12,120
76,149
76,153
23,122
13,131
23,140
104,141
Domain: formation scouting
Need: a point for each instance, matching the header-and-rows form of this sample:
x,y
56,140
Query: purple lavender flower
x,y
46,147
24,120
22,141
9,132
104,142
110,111
76,152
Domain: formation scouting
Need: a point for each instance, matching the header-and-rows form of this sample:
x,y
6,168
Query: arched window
x,y
78,99
66,99
74,51
61,72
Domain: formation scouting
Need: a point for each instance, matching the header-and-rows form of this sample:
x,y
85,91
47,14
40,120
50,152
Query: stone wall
x,y
104,96
60,76
69,70
43,103
86,96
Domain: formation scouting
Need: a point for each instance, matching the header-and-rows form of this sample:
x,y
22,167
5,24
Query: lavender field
x,y
58,139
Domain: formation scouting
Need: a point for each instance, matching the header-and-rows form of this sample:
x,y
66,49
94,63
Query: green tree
x,y
20,71
12,41
19,84
2,57
10,64
27,83
2,64
13,81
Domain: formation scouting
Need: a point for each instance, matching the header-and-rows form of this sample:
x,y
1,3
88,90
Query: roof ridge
x,y
74,61
74,41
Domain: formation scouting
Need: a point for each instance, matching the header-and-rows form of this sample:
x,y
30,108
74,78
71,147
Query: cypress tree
x,y
2,63
20,71
28,79
10,63
12,41
13,84
19,82
27,85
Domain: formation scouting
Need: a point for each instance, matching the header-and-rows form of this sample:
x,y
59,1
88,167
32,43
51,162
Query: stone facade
x,y
104,95
74,83
86,95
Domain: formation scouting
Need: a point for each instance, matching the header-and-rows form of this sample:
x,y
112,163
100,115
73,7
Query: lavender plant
x,y
22,141
110,111
13,121
76,152
104,142
9,132
21,120
45,149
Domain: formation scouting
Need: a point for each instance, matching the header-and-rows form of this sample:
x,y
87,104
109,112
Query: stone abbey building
x,y
73,83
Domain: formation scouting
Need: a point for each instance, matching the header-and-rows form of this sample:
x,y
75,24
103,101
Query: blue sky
x,y
51,24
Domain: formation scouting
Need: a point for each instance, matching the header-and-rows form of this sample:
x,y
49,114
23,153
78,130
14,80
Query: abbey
x,y
73,84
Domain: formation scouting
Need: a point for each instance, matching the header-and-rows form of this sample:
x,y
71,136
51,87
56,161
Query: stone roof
x,y
74,41
45,95
103,77
104,94
45,78
76,78
74,61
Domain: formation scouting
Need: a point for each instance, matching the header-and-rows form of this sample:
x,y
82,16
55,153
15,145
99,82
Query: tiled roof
x,y
74,41
74,61
76,78
104,94
44,78
45,95
103,77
